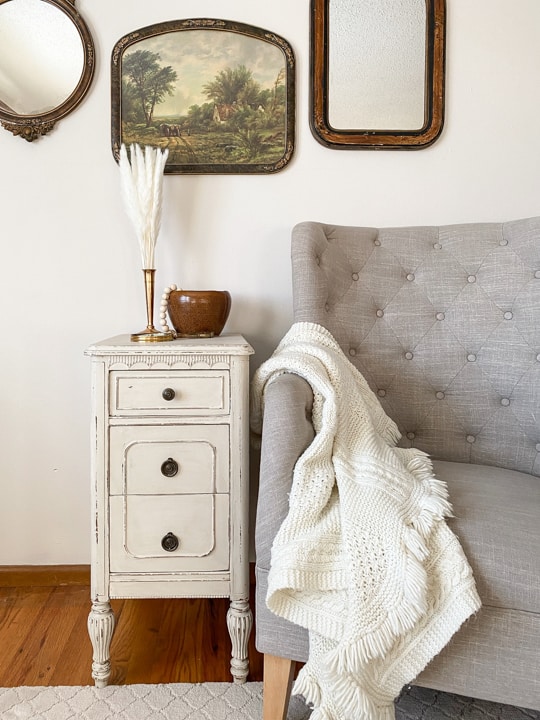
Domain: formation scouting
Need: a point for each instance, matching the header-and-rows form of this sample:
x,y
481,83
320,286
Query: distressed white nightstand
x,y
170,483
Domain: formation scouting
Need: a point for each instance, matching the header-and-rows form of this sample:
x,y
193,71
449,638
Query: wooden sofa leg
x,y
278,678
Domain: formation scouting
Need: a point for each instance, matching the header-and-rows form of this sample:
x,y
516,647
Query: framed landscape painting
x,y
218,94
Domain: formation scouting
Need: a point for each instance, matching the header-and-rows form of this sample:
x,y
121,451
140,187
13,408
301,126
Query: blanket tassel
x,y
355,702
307,686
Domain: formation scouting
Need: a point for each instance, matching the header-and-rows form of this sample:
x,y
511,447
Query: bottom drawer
x,y
142,527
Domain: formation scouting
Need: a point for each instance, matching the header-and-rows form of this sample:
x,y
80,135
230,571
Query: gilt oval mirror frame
x,y
29,124
378,133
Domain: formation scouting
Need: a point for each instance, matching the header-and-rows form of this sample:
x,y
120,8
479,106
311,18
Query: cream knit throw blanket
x,y
364,559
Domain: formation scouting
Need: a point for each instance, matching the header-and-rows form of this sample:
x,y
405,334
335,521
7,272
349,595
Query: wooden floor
x,y
44,638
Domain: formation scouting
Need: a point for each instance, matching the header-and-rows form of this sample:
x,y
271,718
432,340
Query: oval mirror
x,y
46,64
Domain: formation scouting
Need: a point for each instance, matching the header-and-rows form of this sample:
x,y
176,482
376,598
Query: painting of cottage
x,y
218,99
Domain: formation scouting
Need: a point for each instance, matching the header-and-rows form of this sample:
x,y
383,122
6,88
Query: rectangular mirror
x,y
377,72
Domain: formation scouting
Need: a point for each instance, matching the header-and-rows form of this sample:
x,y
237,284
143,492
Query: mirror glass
x,y
377,64
46,63
41,56
377,72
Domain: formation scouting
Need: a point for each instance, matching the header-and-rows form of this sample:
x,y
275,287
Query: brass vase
x,y
150,334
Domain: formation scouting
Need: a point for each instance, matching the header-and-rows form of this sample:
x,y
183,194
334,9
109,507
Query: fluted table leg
x,y
100,629
239,623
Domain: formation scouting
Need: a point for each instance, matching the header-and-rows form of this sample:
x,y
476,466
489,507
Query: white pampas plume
x,y
142,183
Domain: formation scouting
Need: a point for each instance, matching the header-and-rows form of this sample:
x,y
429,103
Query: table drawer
x,y
171,392
169,459
140,524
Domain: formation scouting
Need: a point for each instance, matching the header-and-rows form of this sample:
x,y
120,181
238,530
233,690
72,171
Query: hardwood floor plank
x,y
186,645
31,639
58,619
133,648
74,667
19,625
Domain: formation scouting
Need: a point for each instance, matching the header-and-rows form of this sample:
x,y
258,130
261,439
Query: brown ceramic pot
x,y
199,313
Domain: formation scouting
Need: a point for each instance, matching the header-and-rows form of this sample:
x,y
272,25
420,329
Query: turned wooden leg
x,y
278,678
100,629
239,623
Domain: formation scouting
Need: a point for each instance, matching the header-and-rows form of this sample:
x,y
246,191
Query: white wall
x,y
71,272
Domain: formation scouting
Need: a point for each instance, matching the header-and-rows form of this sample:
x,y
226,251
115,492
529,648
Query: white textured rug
x,y
182,701
217,701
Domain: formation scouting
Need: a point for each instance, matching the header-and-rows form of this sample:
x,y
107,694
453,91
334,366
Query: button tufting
x,y
355,276
503,242
411,435
381,393
538,357
537,446
377,242
505,402
471,357
508,316
537,274
471,439
409,355
440,316
410,277
437,246
327,307
352,351
471,279
318,260
380,313
439,395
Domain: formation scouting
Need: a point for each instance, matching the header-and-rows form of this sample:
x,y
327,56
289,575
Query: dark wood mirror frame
x,y
355,138
30,127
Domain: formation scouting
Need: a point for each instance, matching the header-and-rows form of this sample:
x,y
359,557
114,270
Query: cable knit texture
x,y
364,559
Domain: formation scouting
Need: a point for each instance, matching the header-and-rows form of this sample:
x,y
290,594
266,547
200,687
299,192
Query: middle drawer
x,y
169,459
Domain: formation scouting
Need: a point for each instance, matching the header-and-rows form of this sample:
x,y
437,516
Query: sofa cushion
x,y
496,518
485,659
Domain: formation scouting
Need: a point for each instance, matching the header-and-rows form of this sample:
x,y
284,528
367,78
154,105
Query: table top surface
x,y
229,344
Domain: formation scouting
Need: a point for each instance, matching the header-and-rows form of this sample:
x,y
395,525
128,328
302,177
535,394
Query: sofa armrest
x,y
287,431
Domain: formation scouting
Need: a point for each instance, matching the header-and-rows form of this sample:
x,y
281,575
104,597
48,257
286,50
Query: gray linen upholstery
x,y
288,404
444,323
430,316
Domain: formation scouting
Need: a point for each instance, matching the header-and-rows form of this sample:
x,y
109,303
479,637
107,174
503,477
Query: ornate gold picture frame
x,y
220,95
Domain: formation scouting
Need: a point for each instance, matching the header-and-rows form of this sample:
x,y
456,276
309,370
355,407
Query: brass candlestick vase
x,y
198,313
141,174
150,334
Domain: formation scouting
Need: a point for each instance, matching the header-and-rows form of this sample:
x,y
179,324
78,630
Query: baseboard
x,y
43,575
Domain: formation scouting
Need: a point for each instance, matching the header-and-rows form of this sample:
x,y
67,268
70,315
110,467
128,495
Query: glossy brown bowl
x,y
199,313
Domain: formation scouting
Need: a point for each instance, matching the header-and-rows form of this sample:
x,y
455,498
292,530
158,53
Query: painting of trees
x,y
232,86
218,101
145,84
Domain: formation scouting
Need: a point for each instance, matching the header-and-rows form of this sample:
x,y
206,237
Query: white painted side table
x,y
170,482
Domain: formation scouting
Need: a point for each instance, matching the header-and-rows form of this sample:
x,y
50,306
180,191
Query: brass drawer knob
x,y
168,394
170,542
169,468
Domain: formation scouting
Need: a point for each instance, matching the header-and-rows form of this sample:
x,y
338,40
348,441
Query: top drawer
x,y
169,392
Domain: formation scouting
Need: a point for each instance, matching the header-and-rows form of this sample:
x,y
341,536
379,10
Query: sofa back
x,y
444,324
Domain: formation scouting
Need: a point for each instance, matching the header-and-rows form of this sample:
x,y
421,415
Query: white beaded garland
x,y
163,308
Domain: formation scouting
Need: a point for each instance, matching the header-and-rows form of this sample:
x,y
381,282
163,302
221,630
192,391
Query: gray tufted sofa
x,y
444,323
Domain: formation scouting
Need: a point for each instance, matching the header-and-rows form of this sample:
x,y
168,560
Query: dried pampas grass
x,y
141,177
